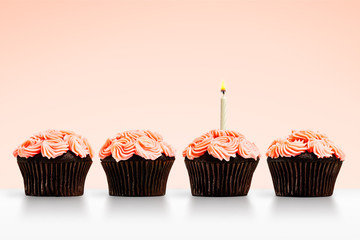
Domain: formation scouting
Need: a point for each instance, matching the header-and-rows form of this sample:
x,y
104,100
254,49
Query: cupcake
x,y
137,163
221,163
54,163
305,164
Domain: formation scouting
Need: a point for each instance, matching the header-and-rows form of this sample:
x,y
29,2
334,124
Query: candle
x,y
223,108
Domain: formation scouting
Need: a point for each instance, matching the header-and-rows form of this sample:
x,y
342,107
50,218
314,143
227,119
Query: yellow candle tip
x,y
223,86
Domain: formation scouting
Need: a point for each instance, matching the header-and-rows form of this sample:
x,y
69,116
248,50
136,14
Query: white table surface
x,y
178,215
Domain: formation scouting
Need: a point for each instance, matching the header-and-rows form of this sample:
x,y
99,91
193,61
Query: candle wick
x,y
223,91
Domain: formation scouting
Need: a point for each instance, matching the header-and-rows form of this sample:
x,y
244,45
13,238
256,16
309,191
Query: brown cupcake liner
x,y
135,177
220,178
304,178
54,178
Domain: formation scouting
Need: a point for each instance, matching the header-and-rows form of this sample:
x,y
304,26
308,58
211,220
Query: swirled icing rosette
x,y
144,143
222,144
122,148
302,141
247,149
198,147
54,143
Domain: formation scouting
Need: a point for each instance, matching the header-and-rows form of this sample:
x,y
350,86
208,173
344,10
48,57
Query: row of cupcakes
x,y
138,163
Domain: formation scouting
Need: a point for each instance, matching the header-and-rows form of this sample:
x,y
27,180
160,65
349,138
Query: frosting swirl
x,y
285,148
198,147
221,144
337,151
305,135
77,145
105,150
223,147
53,149
29,148
218,133
153,135
147,148
54,143
146,144
167,149
320,148
247,149
123,149
133,135
304,141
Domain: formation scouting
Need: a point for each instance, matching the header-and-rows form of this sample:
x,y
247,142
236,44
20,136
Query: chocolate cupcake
x,y
137,163
221,163
305,164
54,163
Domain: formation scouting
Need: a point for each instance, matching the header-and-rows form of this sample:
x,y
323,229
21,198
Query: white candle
x,y
223,108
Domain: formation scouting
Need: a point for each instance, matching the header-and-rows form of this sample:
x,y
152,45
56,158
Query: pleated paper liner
x,y
299,177
53,177
137,176
214,178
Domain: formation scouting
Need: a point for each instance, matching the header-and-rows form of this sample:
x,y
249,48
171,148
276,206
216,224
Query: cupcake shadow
x,y
54,207
137,207
304,207
215,207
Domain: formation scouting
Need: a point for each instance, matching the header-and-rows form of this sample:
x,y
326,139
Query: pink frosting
x,y
305,135
304,141
147,148
198,147
337,151
223,147
53,149
154,135
133,135
54,143
167,149
286,148
147,144
123,148
218,133
247,149
221,144
106,149
29,148
320,148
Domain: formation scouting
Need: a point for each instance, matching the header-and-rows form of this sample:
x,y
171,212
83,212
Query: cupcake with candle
x,y
137,163
305,164
221,163
54,163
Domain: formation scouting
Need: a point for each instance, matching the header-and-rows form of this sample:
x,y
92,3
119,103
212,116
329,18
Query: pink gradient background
x,y
99,67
